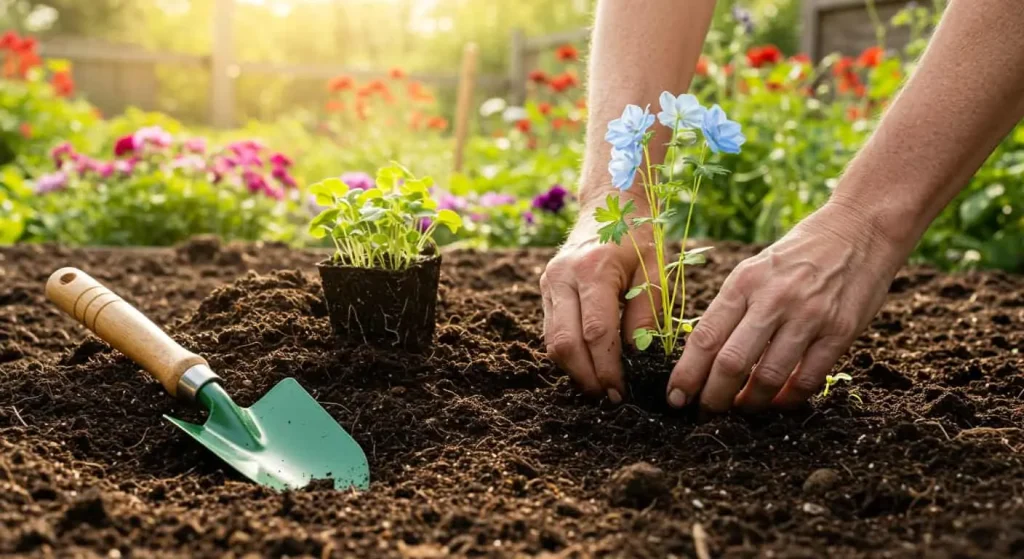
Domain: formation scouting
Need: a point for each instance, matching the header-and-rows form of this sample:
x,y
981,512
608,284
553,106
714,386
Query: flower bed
x,y
481,447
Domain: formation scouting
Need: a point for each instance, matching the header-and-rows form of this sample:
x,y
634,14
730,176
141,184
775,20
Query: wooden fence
x,y
849,26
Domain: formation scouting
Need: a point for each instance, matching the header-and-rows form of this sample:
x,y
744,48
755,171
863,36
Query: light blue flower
x,y
720,133
624,165
626,131
684,111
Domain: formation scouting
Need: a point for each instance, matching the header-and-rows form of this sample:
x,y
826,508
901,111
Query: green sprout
x,y
833,379
389,226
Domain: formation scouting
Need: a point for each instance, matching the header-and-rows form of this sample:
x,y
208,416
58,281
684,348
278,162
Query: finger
x,y
783,355
640,310
810,375
599,305
732,364
564,340
702,346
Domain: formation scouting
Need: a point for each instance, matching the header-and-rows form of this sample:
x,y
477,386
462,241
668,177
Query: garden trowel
x,y
283,441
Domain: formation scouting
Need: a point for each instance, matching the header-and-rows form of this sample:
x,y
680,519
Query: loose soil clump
x,y
480,446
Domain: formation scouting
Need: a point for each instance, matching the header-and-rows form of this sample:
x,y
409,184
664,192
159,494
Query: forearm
x,y
640,48
965,96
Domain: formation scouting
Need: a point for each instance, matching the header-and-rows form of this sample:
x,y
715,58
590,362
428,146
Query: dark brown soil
x,y
480,446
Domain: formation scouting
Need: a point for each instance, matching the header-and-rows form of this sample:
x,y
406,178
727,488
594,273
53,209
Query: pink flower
x,y
153,136
284,177
126,166
124,146
195,145
280,160
192,162
105,169
61,153
254,181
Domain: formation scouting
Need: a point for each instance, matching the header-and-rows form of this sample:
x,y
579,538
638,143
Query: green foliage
x,y
389,226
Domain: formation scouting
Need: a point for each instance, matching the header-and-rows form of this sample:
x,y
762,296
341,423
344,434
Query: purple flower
x,y
358,180
529,218
425,224
451,202
280,160
61,153
494,199
51,183
551,201
195,145
254,181
154,136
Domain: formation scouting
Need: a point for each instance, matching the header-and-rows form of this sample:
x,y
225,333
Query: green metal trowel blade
x,y
283,441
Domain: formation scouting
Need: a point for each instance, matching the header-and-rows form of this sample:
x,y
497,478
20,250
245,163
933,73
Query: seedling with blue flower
x,y
695,130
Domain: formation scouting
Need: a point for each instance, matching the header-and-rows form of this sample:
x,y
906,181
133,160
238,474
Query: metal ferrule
x,y
194,379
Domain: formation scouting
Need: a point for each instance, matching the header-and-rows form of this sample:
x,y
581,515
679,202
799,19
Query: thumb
x,y
639,311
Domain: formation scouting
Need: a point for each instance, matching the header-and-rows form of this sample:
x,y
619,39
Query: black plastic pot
x,y
386,308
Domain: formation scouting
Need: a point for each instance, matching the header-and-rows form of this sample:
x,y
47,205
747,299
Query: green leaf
x,y
975,207
387,177
613,232
633,293
643,337
696,256
333,185
323,222
449,219
842,376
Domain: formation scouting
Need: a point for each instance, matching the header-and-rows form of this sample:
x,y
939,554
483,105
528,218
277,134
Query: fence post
x,y
464,101
222,87
517,68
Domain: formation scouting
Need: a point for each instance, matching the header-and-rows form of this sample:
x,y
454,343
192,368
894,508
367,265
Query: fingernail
x,y
614,396
676,398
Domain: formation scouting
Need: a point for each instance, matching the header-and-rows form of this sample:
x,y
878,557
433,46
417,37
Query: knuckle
x,y
771,375
559,345
845,326
806,384
594,330
704,337
731,362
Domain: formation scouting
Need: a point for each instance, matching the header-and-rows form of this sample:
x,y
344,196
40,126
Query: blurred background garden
x,y
145,122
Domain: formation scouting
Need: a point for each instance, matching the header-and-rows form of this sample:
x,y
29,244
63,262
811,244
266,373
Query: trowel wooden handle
x,y
120,325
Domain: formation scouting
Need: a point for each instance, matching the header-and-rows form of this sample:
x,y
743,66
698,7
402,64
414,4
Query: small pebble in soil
x,y
638,485
568,507
821,481
815,509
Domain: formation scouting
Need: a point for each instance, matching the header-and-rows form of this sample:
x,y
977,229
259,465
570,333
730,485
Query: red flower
x,y
871,57
124,146
850,81
9,40
727,69
567,53
538,76
773,85
559,123
437,123
27,45
854,112
563,82
801,59
26,130
63,83
396,73
544,108
761,56
418,93
702,66
581,104
340,83
523,126
335,106
843,66
416,120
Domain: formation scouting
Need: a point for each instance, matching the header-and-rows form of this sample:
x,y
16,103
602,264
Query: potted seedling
x,y
381,282
698,137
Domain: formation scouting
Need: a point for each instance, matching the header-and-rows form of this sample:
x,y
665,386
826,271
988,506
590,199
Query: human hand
x,y
583,287
792,311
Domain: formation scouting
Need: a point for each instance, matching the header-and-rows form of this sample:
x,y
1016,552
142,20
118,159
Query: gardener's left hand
x,y
792,311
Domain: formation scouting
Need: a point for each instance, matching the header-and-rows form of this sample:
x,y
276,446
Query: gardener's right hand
x,y
583,289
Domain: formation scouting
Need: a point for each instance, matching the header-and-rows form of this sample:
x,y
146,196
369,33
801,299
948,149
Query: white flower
x,y
514,114
492,106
